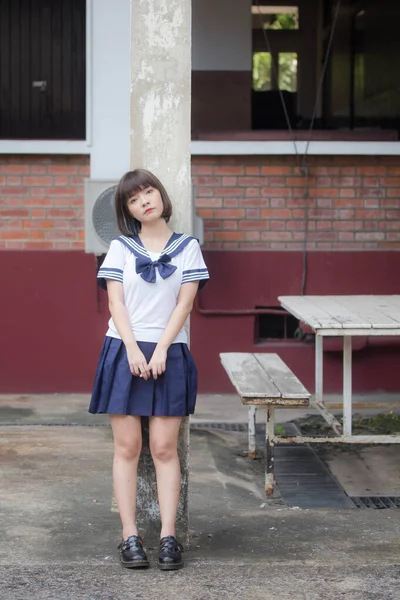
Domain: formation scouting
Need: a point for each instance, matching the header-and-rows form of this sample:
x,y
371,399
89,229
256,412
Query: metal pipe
x,y
329,418
364,405
241,312
362,343
250,312
343,439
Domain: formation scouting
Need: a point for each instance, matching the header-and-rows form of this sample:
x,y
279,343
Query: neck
x,y
158,229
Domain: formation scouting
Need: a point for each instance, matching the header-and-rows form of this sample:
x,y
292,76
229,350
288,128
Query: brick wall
x,y
258,202
246,202
42,202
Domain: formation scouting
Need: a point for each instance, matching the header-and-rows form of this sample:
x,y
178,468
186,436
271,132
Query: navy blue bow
x,y
147,268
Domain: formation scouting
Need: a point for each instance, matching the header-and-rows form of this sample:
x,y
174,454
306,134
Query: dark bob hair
x,y
131,183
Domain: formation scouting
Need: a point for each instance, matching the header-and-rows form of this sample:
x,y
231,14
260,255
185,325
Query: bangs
x,y
136,181
129,185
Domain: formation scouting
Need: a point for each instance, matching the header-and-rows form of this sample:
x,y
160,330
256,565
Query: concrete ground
x,y
59,533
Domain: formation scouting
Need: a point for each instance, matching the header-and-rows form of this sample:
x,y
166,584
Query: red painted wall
x,y
55,316
52,322
256,225
244,280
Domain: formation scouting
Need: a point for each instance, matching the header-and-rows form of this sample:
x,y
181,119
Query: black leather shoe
x,y
170,557
132,554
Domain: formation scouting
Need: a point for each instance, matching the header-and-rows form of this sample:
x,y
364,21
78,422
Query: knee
x,y
163,452
128,451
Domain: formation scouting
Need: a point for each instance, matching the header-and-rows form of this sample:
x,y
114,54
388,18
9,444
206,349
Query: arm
x,y
116,304
176,321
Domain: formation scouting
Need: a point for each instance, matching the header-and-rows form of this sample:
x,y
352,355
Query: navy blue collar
x,y
176,243
145,266
173,237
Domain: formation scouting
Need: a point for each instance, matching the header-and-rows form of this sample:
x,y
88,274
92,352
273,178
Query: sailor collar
x,y
145,266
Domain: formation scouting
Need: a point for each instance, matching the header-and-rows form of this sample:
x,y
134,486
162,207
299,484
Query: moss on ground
x,y
380,424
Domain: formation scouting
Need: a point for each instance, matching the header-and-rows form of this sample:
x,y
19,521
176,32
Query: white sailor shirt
x,y
152,281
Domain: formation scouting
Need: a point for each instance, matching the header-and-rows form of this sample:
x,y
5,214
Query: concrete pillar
x,y
160,142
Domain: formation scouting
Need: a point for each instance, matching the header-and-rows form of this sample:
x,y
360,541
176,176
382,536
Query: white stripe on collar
x,y
134,245
175,244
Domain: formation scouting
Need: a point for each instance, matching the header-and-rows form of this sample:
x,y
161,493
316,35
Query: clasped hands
x,y
139,366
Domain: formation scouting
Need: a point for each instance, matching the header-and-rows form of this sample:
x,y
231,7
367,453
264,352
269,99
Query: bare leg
x,y
127,434
164,433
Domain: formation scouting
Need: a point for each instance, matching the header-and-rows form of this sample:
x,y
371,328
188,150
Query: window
x,y
276,326
263,74
43,70
275,17
276,52
262,71
287,78
362,83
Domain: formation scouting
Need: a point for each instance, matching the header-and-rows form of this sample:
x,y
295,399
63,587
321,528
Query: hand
x,y
137,363
157,365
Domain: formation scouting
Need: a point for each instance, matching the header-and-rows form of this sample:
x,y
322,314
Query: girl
x,y
145,368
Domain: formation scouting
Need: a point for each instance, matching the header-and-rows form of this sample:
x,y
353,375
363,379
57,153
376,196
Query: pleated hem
x,y
116,391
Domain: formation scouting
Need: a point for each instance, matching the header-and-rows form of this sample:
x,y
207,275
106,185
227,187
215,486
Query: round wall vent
x,y
104,217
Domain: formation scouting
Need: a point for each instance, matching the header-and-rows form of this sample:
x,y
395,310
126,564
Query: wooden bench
x,y
264,380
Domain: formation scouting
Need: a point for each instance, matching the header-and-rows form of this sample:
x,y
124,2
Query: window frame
x,y
63,146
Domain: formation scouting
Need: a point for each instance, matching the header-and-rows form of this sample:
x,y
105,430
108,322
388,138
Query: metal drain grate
x,y
221,426
242,427
376,501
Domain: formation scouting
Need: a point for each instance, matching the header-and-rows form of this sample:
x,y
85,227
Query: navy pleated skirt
x,y
117,392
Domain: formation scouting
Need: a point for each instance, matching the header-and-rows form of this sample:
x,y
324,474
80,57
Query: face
x,y
146,205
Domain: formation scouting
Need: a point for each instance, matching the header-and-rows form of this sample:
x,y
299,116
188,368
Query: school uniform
x,y
151,283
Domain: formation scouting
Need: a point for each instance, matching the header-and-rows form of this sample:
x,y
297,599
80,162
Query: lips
x,y
148,211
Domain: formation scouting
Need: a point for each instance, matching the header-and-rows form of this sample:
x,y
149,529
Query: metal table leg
x,y
269,452
347,386
319,368
252,431
319,391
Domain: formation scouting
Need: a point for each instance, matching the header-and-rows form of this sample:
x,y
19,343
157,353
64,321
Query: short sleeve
x,y
113,264
194,267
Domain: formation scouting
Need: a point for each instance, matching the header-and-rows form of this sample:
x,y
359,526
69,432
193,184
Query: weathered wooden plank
x,y
309,313
281,376
368,308
392,300
247,375
389,306
261,383
338,311
357,313
277,402
371,331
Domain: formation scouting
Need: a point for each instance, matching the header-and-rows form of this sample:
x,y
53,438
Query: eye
x,y
132,200
150,191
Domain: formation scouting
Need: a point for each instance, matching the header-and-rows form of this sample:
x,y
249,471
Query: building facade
x,y
316,215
